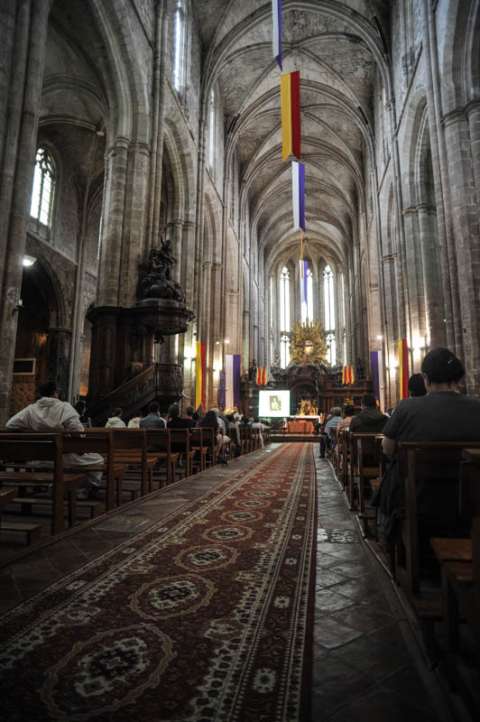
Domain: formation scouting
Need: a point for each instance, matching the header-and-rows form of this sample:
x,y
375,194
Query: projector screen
x,y
274,403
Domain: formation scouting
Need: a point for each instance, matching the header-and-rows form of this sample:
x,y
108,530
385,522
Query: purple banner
x,y
236,380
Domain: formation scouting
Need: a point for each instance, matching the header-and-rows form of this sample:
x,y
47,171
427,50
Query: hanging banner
x,y
261,376
237,363
402,352
277,31
298,195
200,376
290,114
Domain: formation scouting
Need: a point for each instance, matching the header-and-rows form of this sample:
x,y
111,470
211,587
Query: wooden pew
x,y
180,444
98,441
433,467
199,449
367,459
129,448
159,448
19,450
209,441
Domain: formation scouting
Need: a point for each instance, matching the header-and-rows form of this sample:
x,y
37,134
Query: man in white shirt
x,y
49,414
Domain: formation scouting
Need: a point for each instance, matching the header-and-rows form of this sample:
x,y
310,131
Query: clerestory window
x,y
43,189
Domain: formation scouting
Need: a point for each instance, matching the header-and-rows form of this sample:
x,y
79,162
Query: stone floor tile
x,y
331,634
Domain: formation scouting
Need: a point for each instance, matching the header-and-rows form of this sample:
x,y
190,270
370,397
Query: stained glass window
x,y
43,187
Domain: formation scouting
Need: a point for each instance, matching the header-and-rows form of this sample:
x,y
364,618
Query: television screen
x,y
274,403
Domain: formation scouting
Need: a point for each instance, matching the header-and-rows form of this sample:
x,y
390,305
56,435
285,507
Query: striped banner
x,y
200,376
261,376
277,31
402,353
298,195
237,362
348,375
290,113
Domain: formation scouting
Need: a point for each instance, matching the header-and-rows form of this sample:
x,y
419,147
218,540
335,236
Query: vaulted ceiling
x,y
338,48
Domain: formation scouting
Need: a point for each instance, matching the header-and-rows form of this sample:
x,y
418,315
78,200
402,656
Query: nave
x,y
75,609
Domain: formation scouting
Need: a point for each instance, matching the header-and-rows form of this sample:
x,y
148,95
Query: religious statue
x,y
308,344
155,276
307,408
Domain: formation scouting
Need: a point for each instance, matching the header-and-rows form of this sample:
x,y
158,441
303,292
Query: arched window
x,y
284,317
329,305
306,291
179,46
211,130
43,190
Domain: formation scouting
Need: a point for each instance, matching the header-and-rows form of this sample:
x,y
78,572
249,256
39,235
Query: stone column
x,y
473,114
465,232
113,219
26,26
58,355
435,326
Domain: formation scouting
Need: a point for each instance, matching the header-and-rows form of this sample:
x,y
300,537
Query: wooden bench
x,y
159,447
430,467
199,458
19,450
180,444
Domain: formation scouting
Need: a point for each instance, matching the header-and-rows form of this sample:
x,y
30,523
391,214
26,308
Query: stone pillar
x,y
473,114
26,25
435,326
58,355
466,233
113,219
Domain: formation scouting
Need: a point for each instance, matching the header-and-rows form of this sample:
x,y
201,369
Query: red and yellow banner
x,y
348,375
200,376
261,376
402,352
290,113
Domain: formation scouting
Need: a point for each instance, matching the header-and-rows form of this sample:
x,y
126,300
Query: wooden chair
x,y
199,448
129,447
98,441
17,451
209,440
433,469
159,447
180,444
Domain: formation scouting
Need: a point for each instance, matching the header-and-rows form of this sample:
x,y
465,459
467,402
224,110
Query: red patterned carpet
x,y
202,617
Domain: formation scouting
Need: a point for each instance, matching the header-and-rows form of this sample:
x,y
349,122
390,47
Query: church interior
x,y
227,229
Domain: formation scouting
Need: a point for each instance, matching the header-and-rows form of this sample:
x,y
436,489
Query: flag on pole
x,y
402,351
277,31
200,376
298,195
290,113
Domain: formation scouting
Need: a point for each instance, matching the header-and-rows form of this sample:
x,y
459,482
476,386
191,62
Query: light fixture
x,y
226,340
379,337
188,355
217,369
28,261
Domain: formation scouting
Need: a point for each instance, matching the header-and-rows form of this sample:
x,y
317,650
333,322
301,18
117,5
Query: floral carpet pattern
x,y
205,616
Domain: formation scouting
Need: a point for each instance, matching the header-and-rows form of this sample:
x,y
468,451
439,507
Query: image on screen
x,y
274,403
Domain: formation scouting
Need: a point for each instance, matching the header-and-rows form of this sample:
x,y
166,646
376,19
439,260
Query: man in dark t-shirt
x,y
370,420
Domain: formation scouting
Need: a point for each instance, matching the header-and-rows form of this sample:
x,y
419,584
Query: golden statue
x,y
307,408
308,344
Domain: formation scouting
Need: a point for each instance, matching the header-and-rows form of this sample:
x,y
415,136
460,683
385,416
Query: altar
x,y
302,424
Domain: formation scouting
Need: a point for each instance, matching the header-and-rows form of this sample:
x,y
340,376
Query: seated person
x,y
175,421
115,421
211,421
190,417
443,414
153,420
370,420
328,438
348,414
49,414
416,386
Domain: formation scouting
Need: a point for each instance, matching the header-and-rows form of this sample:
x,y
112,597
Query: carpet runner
x,y
204,616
